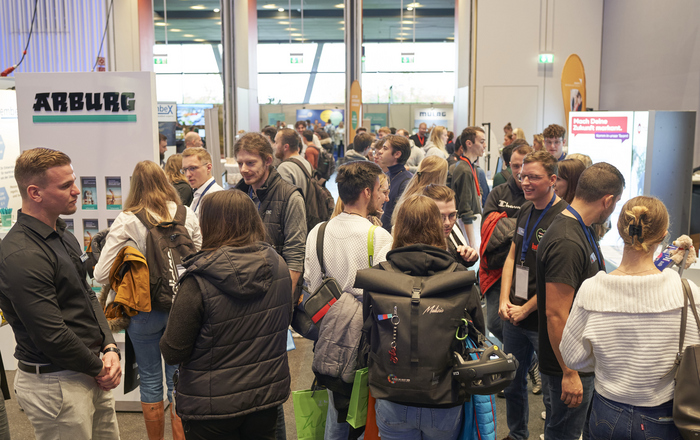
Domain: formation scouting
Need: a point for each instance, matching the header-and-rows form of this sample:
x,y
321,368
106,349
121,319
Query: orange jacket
x,y
488,278
129,278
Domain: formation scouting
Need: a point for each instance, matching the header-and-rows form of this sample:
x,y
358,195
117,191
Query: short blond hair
x,y
201,153
31,167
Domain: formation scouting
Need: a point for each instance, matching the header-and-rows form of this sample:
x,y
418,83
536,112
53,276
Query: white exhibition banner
x,y
433,117
9,150
105,121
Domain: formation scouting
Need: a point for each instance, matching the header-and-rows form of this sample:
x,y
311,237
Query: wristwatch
x,y
113,349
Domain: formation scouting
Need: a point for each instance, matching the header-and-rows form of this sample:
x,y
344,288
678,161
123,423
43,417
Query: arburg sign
x,y
73,105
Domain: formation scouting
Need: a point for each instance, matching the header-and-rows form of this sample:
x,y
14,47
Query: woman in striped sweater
x,y
625,326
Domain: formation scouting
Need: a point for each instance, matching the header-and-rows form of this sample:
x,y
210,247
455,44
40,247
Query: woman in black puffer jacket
x,y
228,326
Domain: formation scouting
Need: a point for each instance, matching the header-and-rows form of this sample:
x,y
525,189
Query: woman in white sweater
x,y
625,326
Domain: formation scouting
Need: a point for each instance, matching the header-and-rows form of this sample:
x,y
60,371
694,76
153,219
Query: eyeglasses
x,y
552,141
534,178
452,217
192,169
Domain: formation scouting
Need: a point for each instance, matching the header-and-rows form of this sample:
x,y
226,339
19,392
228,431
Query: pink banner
x,y
588,125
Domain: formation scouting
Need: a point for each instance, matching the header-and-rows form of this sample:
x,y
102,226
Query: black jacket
x,y
506,197
238,364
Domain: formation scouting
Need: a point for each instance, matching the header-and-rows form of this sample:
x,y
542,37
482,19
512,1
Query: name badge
x,y
593,258
521,231
84,257
521,281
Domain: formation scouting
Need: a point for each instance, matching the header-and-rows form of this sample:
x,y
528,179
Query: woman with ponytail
x,y
625,326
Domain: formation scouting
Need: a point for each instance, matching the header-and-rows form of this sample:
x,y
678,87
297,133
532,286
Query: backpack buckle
x,y
415,296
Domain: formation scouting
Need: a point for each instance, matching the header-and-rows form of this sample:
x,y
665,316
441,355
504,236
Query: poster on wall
x,y
573,85
321,116
377,121
88,190
433,117
9,150
274,118
114,192
90,229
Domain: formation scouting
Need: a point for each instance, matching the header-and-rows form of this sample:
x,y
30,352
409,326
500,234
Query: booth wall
x,y
510,84
651,57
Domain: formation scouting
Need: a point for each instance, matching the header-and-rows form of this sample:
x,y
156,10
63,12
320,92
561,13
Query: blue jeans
x,y
522,344
494,323
145,331
612,420
401,422
335,430
562,422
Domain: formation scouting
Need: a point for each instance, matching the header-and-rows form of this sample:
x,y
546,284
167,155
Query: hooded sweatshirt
x,y
233,310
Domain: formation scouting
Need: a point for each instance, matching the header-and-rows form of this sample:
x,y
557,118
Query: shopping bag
x,y
357,412
310,408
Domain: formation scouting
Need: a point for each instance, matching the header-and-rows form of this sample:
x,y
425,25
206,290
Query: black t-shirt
x,y
564,256
531,322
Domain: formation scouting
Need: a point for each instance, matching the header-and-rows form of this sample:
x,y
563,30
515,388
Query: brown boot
x,y
176,422
154,415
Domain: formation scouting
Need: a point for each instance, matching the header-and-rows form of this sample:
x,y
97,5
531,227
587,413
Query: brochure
x,y
90,229
88,187
114,192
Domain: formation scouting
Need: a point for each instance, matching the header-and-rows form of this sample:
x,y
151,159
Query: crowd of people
x,y
220,312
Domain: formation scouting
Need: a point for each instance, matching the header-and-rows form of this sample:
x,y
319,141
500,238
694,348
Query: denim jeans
x,y
145,331
259,425
522,344
494,323
336,430
401,422
562,422
613,420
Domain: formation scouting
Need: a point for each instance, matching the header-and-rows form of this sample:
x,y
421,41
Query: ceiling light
x,y
291,29
296,35
342,28
400,38
299,39
283,22
161,24
216,9
408,22
219,23
415,5
188,35
280,9
175,30
270,6
198,7
199,40
403,33
409,8
341,22
340,5
450,38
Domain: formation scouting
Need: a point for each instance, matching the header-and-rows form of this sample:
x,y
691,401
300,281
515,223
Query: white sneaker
x,y
544,415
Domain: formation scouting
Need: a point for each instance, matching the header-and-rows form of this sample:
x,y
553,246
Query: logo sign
x,y
613,127
296,58
160,59
167,111
408,58
546,58
72,107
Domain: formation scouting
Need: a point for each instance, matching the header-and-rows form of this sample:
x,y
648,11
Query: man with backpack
x,y
287,150
346,249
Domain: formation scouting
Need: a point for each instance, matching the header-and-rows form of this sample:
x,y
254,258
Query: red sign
x,y
593,125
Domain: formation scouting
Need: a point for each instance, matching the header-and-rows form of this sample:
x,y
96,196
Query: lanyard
x,y
476,180
526,237
202,196
589,236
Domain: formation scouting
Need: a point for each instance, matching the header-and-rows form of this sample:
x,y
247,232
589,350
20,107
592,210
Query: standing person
x,y
393,154
503,176
61,383
173,171
538,142
286,144
502,206
633,396
444,198
312,151
433,170
554,140
438,140
196,166
567,255
153,197
357,149
345,251
465,181
231,381
518,302
193,140
339,139
417,154
376,216
421,137
162,148
569,172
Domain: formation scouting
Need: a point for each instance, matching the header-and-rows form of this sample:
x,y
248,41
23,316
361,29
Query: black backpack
x,y
318,200
410,357
326,164
167,244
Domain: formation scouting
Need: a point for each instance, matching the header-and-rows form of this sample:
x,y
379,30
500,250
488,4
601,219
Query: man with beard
x,y
287,150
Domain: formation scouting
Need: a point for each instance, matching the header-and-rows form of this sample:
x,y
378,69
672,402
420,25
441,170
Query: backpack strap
x,y
370,244
319,248
141,215
303,168
415,312
386,265
687,298
180,215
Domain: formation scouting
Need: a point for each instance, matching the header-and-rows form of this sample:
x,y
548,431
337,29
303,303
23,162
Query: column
x,y
353,61
131,36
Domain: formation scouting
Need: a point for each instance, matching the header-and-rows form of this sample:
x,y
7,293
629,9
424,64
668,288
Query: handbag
x,y
310,408
686,399
357,412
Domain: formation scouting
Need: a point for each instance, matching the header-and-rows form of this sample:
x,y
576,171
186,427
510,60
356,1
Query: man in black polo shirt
x,y
567,256
61,383
518,302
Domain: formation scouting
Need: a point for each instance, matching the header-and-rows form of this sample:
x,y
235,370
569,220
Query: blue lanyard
x,y
253,197
589,236
527,238
202,196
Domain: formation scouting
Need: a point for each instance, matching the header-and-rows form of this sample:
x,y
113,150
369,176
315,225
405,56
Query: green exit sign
x,y
160,60
296,58
407,58
546,58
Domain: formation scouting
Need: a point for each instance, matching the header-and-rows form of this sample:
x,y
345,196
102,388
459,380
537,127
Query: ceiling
x,y
322,22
